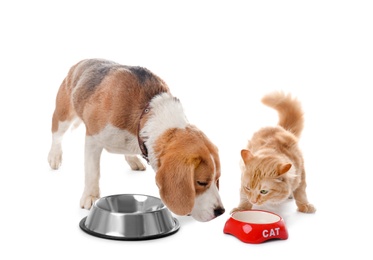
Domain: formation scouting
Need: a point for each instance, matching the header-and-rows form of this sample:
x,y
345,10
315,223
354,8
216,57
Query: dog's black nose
x,y
219,211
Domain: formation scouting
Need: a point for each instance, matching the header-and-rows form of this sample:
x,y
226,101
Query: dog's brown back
x,y
96,81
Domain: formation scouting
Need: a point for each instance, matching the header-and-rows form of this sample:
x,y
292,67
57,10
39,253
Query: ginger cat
x,y
272,165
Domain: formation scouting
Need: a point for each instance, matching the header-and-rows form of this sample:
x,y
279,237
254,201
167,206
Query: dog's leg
x,y
135,162
92,172
55,153
63,116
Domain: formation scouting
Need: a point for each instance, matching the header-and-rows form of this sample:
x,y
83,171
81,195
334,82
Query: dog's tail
x,y
289,110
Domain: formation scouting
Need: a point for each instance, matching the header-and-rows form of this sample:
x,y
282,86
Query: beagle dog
x,y
129,110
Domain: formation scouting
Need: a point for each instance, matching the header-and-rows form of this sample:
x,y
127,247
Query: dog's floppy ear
x,y
175,180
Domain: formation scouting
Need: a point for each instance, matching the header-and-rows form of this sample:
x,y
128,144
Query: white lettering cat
x,y
272,232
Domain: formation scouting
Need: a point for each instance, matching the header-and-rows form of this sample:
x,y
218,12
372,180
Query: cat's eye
x,y
263,192
247,188
202,183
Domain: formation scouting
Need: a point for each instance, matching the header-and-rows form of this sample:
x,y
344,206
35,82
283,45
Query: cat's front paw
x,y
307,208
239,209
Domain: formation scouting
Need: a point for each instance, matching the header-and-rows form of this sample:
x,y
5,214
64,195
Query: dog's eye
x,y
202,183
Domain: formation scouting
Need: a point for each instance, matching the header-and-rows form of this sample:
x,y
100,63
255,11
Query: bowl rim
x,y
272,214
162,206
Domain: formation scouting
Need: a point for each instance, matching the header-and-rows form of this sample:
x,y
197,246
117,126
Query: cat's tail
x,y
289,110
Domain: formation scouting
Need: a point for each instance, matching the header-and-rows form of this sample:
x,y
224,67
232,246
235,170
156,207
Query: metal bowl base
x,y
90,232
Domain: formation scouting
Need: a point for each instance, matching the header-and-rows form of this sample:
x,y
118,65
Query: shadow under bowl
x,y
256,226
129,217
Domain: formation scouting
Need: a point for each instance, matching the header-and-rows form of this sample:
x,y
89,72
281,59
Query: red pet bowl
x,y
256,226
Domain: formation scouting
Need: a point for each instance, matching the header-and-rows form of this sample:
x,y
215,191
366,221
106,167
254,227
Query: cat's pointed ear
x,y
283,168
246,155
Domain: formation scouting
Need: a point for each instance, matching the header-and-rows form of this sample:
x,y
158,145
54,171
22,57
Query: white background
x,y
219,58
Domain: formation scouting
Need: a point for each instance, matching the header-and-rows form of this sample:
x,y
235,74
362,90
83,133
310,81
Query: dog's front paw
x,y
135,163
55,158
87,201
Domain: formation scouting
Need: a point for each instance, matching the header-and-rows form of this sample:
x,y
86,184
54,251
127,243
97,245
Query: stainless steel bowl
x,y
129,217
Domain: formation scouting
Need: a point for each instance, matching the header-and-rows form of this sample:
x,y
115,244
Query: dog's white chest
x,y
116,140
